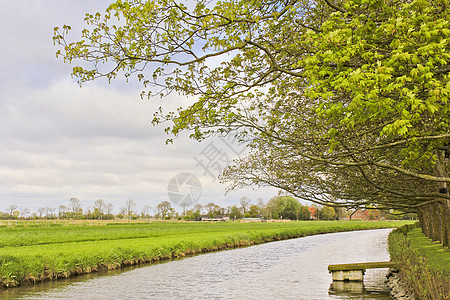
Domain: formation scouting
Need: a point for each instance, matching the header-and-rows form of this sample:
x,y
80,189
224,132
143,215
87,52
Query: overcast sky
x,y
58,140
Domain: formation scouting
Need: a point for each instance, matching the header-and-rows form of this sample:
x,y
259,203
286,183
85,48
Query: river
x,y
289,269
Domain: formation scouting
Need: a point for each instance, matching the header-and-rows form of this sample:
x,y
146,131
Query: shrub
x,y
424,280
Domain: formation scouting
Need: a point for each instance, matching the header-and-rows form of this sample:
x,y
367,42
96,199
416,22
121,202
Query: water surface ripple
x,y
289,269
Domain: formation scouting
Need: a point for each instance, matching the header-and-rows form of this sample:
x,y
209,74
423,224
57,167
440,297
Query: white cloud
x,y
58,140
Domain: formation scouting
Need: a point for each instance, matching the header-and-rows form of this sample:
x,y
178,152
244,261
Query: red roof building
x,y
312,213
365,215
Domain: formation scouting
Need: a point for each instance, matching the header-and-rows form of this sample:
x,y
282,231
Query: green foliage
x,y
287,207
394,72
424,266
370,62
303,213
192,215
235,213
327,213
254,211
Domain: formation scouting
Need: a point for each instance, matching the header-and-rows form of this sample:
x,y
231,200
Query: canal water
x,y
289,269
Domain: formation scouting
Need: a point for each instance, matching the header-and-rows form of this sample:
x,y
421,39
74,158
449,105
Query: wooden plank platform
x,y
361,266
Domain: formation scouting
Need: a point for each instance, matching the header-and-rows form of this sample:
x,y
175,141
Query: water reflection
x,y
359,290
344,287
291,269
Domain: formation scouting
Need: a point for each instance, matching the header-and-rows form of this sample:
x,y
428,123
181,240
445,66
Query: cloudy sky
x,y
58,140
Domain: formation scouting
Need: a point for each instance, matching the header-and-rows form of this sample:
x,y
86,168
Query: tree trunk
x,y
423,221
435,217
435,221
446,222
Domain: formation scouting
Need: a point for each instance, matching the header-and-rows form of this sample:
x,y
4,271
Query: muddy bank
x,y
398,290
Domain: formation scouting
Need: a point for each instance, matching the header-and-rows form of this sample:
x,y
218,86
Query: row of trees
x,y
343,103
278,207
73,210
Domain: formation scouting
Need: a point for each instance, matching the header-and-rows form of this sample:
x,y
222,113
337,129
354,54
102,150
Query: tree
x,y
192,215
196,215
41,212
303,213
165,210
254,211
260,202
184,205
245,202
198,207
109,208
235,213
62,210
24,212
213,209
100,208
145,212
284,207
340,213
11,209
75,207
129,208
327,213
210,208
123,213
345,104
49,212
16,214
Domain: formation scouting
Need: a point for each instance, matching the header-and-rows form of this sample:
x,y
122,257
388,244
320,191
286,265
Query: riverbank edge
x,y
414,277
397,287
244,240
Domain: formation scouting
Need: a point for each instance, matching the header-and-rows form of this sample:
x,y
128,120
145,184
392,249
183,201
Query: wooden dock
x,y
355,272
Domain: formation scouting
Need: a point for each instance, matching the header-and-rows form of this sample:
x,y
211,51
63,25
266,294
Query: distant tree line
x,y
278,208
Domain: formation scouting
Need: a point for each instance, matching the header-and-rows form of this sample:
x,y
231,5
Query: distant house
x,y
312,213
205,218
247,220
215,218
222,218
366,215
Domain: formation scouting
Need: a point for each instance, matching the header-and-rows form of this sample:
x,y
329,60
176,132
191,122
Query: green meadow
x,y
48,252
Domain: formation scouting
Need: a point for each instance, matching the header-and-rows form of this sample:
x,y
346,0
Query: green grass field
x,y
35,253
438,257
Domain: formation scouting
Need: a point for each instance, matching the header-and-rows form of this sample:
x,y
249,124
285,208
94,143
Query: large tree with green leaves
x,y
342,102
286,207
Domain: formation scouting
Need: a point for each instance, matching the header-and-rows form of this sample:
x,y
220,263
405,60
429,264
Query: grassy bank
x,y
36,253
424,265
